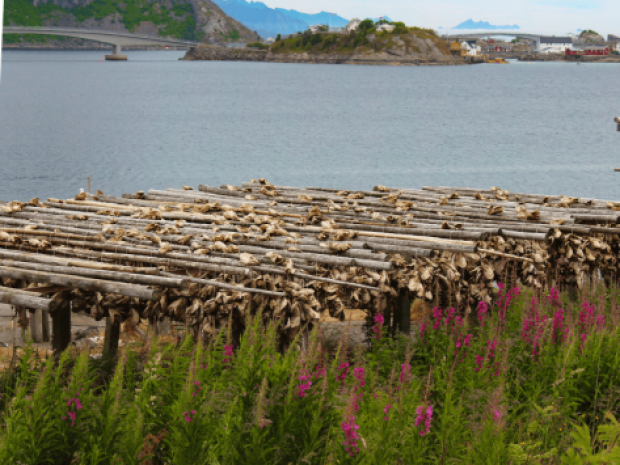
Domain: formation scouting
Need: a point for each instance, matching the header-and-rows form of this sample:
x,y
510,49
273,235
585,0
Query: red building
x,y
601,50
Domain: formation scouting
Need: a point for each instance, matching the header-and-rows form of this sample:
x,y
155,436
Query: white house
x,y
385,27
554,44
353,25
269,40
471,47
315,28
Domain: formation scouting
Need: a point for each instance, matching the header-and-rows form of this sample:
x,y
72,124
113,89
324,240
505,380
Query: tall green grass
x,y
535,379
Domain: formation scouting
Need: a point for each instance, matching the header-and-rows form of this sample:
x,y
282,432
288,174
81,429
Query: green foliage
x,y
258,45
177,21
232,36
525,382
400,30
588,31
604,448
365,26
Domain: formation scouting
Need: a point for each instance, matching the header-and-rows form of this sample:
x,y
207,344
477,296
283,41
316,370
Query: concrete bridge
x,y
483,35
118,39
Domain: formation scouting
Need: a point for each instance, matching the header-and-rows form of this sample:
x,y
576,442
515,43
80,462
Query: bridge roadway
x,y
117,39
482,35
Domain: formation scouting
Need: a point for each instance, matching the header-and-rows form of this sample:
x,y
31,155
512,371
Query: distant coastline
x,y
472,25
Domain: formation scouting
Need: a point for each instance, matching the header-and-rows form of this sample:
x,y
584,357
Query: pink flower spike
x,y
496,416
424,416
193,412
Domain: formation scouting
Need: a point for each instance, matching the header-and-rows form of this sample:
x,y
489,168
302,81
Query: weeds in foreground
x,y
531,380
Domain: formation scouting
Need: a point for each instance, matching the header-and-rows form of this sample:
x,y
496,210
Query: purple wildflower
x,y
425,415
350,433
385,410
379,319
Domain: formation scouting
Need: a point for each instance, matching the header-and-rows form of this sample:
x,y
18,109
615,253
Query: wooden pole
x,y
61,324
112,287
36,325
45,327
24,299
404,312
112,335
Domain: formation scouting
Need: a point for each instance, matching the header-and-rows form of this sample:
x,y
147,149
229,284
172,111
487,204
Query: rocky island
x,y
401,45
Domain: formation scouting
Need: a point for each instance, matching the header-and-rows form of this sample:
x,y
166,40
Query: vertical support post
x,y
155,325
112,335
23,321
36,325
117,49
165,327
444,300
404,312
61,327
396,316
573,291
45,327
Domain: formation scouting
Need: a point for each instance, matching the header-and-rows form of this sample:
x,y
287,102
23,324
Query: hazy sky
x,y
537,16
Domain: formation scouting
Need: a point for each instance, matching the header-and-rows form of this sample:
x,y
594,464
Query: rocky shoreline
x,y
571,58
210,53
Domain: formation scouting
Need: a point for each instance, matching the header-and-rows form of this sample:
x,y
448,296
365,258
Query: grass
x,y
532,379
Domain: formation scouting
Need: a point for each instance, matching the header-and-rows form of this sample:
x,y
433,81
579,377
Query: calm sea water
x,y
156,122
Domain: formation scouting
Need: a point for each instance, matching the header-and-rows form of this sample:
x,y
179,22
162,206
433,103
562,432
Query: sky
x,y
535,16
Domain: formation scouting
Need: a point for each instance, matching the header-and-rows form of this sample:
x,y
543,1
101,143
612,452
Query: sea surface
x,y
156,122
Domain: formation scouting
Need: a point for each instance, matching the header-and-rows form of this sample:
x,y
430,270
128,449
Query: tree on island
x,y
588,31
365,26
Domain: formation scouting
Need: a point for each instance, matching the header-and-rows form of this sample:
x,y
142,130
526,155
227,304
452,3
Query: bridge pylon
x,y
117,56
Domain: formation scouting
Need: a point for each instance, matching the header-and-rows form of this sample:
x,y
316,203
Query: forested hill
x,y
199,20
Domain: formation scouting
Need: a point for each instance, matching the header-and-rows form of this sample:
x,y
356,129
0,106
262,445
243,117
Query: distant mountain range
x,y
269,22
483,25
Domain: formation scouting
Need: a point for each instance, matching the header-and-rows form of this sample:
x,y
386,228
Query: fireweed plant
x,y
529,379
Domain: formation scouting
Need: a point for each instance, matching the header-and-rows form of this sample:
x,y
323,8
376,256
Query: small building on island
x,y
353,25
554,44
471,47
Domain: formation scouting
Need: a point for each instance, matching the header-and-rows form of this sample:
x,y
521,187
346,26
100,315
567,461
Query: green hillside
x,y
177,21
